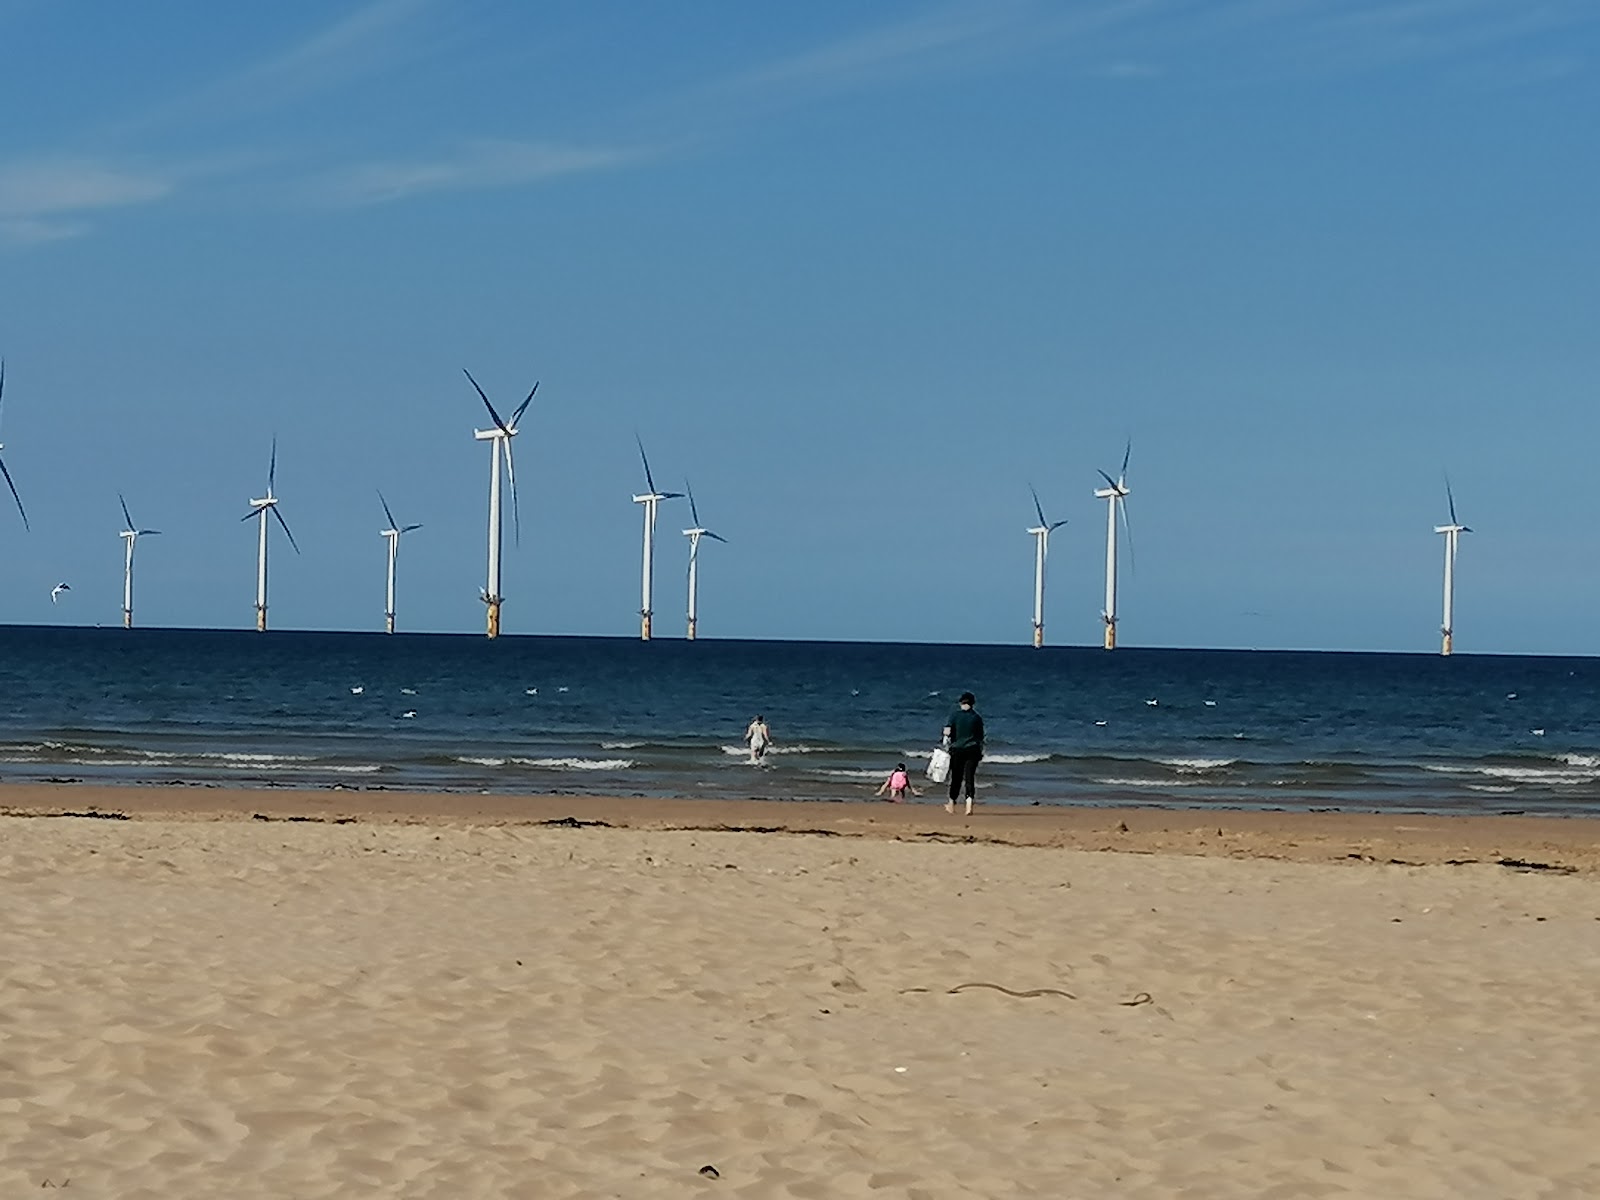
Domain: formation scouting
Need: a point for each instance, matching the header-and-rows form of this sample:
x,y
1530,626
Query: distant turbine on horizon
x,y
1041,551
3,470
694,535
1115,494
392,534
258,511
1452,537
499,439
650,499
130,534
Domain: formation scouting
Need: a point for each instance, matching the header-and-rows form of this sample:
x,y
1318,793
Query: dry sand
x,y
411,1006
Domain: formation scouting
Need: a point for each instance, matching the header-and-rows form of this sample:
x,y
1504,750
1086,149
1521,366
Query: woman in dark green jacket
x,y
963,737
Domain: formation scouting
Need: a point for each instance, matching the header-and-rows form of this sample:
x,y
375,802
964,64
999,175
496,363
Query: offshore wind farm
x,y
503,430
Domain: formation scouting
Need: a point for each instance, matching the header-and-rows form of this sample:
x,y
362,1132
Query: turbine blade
x,y
522,408
272,468
694,513
14,495
125,515
286,529
1451,496
494,416
511,474
1108,479
386,511
409,528
672,495
146,532
1057,525
1127,529
715,536
1466,529
648,478
254,512
1126,455
1037,507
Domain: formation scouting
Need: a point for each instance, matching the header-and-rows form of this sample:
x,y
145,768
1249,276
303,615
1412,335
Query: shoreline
x,y
1566,844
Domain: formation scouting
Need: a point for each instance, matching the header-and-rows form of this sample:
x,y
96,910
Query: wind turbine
x,y
1115,494
1041,551
650,500
499,439
130,535
694,535
393,535
258,511
3,470
1452,536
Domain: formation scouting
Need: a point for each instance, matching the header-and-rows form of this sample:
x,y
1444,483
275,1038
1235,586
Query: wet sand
x,y
432,996
1408,838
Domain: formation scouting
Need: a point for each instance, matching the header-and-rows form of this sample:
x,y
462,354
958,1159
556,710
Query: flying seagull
x,y
55,592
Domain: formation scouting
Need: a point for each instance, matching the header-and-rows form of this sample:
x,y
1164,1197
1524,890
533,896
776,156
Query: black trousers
x,y
964,771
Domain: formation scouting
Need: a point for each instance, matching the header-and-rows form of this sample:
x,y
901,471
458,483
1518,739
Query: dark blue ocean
x,y
619,717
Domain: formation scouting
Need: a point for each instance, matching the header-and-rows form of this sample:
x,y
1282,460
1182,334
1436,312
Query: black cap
x,y
967,698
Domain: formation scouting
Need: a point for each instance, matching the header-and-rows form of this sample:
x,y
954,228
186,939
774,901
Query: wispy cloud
x,y
379,35
477,165
955,36
1344,35
373,37
38,198
871,54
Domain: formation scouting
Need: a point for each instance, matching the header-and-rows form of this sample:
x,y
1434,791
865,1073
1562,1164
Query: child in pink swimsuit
x,y
898,784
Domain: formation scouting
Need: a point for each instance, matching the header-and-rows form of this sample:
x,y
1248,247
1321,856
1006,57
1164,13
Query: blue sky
x,y
862,273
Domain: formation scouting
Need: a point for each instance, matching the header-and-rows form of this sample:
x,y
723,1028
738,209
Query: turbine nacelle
x,y
1452,529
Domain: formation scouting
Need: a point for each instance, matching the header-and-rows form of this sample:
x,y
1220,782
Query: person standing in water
x,y
759,738
963,737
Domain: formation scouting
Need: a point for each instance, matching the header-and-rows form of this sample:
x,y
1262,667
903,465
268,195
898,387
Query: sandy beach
x,y
315,994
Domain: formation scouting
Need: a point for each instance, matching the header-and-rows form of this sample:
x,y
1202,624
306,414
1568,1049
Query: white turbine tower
x,y
650,500
499,439
1452,536
1041,551
392,533
258,511
3,470
694,535
1115,494
130,535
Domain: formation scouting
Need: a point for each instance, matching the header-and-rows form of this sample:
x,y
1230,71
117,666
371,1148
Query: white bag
x,y
939,765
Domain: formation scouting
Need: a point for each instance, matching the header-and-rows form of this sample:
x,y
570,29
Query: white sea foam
x,y
1150,783
1188,765
1494,788
842,774
1015,758
549,764
744,751
1581,760
576,764
1546,775
620,745
253,759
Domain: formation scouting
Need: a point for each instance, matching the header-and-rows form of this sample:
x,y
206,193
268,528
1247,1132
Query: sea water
x,y
602,716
